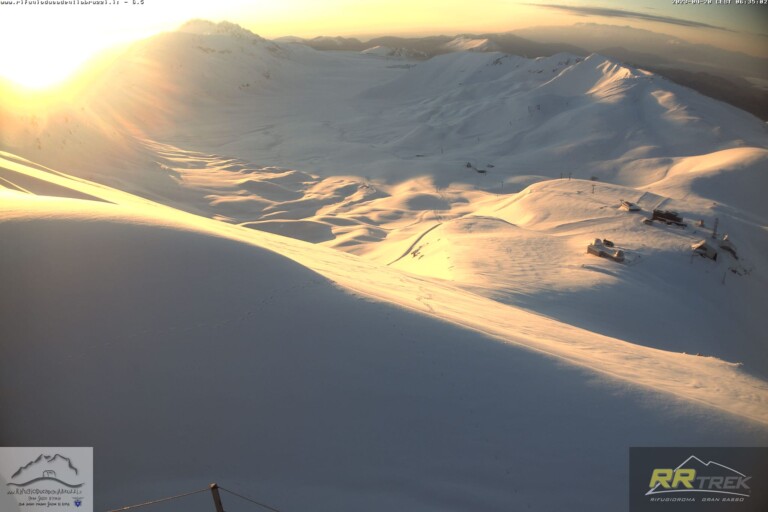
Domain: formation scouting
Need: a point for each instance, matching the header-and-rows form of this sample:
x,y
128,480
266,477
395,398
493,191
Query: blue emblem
x,y
78,503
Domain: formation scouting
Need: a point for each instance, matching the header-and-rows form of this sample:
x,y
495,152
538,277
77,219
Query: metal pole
x,y
216,497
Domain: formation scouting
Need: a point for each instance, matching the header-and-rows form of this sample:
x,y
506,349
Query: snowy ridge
x,y
205,28
385,51
469,44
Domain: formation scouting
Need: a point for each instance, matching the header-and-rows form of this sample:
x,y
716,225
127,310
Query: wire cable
x,y
248,499
207,489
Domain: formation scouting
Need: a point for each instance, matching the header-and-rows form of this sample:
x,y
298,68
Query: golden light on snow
x,y
381,258
50,43
45,44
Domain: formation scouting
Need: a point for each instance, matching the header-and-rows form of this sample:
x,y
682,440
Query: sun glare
x,y
43,46
41,70
41,63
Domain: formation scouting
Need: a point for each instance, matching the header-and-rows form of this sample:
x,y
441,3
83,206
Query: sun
x,y
42,58
43,47
42,68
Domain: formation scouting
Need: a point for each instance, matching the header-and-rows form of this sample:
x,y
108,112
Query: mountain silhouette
x,y
54,467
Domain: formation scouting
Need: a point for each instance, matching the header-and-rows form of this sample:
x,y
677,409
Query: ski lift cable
x,y
249,499
130,507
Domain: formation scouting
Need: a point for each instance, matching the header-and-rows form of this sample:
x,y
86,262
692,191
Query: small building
x,y
628,206
597,248
669,217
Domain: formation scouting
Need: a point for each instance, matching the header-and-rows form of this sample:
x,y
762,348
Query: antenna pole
x,y
216,497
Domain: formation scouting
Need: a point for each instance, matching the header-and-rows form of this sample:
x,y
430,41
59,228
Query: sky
x,y
42,44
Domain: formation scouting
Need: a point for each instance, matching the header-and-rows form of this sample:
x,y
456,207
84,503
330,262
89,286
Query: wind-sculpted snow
x,y
187,350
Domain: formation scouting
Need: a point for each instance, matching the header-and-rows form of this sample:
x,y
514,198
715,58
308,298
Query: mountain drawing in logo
x,y
707,471
56,468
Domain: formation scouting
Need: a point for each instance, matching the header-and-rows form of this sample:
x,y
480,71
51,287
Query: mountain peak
x,y
206,27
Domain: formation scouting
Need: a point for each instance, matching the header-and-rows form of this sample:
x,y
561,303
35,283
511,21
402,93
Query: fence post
x,y
216,497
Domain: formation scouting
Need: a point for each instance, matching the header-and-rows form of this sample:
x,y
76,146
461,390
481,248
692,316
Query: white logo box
x,y
51,479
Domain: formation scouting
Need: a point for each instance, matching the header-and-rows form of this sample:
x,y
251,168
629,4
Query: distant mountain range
x,y
728,76
531,115
438,45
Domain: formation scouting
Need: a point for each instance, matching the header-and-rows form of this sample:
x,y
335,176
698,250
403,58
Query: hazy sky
x,y
42,43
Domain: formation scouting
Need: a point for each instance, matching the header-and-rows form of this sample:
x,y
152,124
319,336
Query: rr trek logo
x,y
688,477
696,479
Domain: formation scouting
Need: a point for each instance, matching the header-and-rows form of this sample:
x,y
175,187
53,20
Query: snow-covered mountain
x,y
524,116
732,77
470,44
205,27
336,279
386,51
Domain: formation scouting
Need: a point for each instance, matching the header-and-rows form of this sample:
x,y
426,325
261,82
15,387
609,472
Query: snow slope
x,y
530,251
366,157
444,341
314,379
215,120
